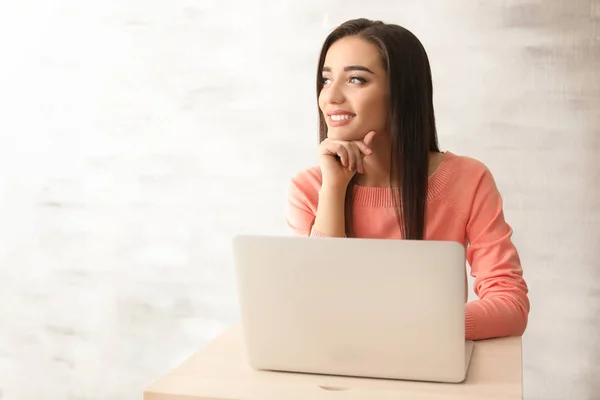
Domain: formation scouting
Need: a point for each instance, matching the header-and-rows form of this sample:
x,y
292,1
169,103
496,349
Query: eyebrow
x,y
351,68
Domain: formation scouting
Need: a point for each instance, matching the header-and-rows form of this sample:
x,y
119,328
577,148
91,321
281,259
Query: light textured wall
x,y
137,137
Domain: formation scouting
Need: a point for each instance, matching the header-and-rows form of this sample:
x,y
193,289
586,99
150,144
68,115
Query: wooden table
x,y
220,371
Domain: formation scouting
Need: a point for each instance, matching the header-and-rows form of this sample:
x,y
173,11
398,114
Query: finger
x,y
330,148
343,154
351,156
369,138
356,158
363,148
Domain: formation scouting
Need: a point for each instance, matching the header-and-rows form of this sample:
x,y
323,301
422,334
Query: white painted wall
x,y
137,137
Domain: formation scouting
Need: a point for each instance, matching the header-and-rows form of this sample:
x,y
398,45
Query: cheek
x,y
375,111
320,100
383,111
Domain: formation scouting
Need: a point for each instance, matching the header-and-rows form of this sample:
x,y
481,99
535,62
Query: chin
x,y
346,133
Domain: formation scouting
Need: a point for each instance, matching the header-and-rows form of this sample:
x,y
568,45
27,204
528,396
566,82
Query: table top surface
x,y
220,371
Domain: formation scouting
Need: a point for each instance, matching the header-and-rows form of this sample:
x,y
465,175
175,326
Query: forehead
x,y
353,50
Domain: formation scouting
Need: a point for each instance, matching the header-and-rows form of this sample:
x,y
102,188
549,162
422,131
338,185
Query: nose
x,y
333,94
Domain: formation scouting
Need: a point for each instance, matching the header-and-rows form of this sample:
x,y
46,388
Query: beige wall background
x,y
137,137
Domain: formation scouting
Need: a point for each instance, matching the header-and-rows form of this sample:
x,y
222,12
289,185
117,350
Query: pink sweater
x,y
463,205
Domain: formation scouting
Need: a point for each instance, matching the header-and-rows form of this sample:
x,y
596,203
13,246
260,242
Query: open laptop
x,y
355,307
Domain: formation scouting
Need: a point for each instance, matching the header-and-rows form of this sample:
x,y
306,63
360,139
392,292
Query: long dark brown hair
x,y
411,118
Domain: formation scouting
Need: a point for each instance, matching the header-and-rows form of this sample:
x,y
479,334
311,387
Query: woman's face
x,y
354,98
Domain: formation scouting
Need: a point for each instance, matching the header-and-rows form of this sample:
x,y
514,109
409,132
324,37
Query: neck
x,y
377,166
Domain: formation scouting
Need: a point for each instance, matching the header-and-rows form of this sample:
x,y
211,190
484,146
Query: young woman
x,y
381,173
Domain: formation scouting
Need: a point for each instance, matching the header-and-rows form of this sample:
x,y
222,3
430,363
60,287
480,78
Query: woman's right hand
x,y
340,160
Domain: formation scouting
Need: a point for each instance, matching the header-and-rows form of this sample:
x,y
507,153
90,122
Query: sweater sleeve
x,y
503,305
301,207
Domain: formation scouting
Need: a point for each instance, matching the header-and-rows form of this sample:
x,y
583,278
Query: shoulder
x,y
468,173
310,178
468,166
304,186
469,183
303,199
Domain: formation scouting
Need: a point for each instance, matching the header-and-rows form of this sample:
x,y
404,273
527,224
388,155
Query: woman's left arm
x,y
503,305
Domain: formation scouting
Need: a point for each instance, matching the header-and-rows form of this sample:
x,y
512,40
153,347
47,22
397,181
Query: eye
x,y
326,80
357,80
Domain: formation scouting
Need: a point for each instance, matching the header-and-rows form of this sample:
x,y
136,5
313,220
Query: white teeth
x,y
341,117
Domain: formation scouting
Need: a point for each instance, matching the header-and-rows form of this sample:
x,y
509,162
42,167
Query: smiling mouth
x,y
341,117
340,120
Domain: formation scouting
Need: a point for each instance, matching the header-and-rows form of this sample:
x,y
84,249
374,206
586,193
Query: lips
x,y
339,118
339,112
